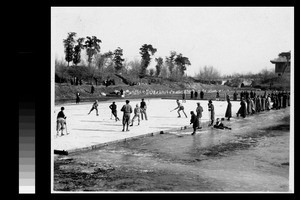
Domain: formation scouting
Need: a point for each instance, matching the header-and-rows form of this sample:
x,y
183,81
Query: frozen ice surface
x,y
88,130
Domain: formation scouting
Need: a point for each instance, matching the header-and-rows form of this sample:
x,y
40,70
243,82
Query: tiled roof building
x,y
282,63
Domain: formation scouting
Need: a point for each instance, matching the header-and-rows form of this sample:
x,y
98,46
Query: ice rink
x,y
91,130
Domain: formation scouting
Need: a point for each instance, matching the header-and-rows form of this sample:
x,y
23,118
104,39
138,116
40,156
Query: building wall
x,y
279,67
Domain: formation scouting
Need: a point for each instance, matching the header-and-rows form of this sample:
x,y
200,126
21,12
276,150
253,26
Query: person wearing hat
x,y
211,110
94,107
127,110
113,108
137,113
60,121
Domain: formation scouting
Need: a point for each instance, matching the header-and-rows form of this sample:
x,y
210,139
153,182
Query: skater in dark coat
x,y
228,113
143,107
194,121
127,110
113,108
94,107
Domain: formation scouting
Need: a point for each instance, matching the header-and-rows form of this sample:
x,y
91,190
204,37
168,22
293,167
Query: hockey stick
x,y
66,128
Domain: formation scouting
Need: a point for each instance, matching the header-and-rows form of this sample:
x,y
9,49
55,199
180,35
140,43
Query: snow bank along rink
x,y
88,131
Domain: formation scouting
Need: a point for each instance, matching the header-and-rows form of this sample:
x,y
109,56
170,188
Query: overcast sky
x,y
231,39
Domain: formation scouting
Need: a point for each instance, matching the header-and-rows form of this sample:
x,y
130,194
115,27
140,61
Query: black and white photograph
x,y
172,99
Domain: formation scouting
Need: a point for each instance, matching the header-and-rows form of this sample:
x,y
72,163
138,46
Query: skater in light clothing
x,y
180,108
61,121
137,113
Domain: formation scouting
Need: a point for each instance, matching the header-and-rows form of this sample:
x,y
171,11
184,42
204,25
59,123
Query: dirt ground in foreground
x,y
252,157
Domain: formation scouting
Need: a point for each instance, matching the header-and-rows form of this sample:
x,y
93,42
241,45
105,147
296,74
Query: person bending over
x,y
180,108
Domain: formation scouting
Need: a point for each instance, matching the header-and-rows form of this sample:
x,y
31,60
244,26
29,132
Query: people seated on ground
x,y
220,125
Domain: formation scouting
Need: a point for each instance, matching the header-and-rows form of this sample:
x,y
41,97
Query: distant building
x,y
282,63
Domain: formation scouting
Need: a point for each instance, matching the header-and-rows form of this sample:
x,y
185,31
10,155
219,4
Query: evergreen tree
x,y
118,53
92,47
145,51
77,51
69,47
181,63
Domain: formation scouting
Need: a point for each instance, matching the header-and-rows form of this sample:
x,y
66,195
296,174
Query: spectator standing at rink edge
x,y
228,113
201,94
211,110
77,98
92,89
183,96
